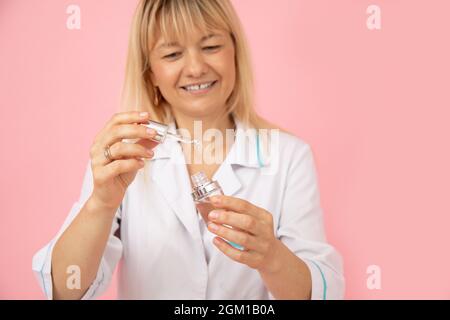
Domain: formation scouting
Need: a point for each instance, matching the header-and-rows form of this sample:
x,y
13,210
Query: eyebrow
x,y
174,44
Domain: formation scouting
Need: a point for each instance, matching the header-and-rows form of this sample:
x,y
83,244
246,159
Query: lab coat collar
x,y
247,148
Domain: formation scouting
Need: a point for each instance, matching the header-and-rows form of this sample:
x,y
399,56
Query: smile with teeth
x,y
199,87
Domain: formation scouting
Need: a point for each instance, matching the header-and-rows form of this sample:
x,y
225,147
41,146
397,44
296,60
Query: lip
x,y
200,92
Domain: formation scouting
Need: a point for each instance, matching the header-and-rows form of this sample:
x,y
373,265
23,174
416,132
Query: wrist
x,y
275,260
97,207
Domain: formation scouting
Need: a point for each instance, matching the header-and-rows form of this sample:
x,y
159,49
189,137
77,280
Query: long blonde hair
x,y
174,19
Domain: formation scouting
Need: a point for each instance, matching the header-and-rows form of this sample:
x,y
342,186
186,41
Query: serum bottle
x,y
203,189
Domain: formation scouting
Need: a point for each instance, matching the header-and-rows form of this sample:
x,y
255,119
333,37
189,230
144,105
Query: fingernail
x,y
214,214
213,226
143,114
149,152
151,131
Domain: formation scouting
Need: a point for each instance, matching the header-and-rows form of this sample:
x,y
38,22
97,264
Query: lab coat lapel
x,y
171,177
242,153
227,179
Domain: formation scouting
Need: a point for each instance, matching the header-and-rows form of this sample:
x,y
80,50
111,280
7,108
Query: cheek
x,y
227,70
166,76
230,66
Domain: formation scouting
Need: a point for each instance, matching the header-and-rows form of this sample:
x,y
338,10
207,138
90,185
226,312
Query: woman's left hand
x,y
252,229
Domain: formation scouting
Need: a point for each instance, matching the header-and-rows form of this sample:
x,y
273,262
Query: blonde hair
x,y
174,19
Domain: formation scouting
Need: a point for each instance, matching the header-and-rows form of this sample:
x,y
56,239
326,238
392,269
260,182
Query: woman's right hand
x,y
113,176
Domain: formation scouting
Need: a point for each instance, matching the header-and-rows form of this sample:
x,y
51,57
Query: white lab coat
x,y
163,248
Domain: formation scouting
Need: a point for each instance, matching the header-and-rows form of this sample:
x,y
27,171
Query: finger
x,y
236,205
117,167
149,144
250,258
128,131
123,150
237,220
128,117
242,238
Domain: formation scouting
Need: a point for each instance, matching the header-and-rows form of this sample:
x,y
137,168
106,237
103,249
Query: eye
x,y
212,48
172,55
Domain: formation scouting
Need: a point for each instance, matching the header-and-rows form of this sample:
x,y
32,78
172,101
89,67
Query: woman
x,y
188,65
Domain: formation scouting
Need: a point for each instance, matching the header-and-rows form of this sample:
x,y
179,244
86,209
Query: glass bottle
x,y
203,189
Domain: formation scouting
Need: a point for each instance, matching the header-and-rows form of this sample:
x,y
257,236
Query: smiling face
x,y
195,77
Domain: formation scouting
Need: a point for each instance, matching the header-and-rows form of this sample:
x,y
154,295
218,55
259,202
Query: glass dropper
x,y
162,132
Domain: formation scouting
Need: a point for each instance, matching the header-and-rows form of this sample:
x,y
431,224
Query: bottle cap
x,y
199,179
203,187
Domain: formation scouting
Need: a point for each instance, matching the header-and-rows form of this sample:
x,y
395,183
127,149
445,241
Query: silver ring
x,y
107,153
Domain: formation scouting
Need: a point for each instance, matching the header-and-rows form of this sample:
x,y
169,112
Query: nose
x,y
196,65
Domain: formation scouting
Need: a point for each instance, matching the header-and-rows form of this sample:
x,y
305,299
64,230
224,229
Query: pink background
x,y
374,105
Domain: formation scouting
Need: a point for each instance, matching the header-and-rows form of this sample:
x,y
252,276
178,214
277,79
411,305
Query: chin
x,y
200,110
